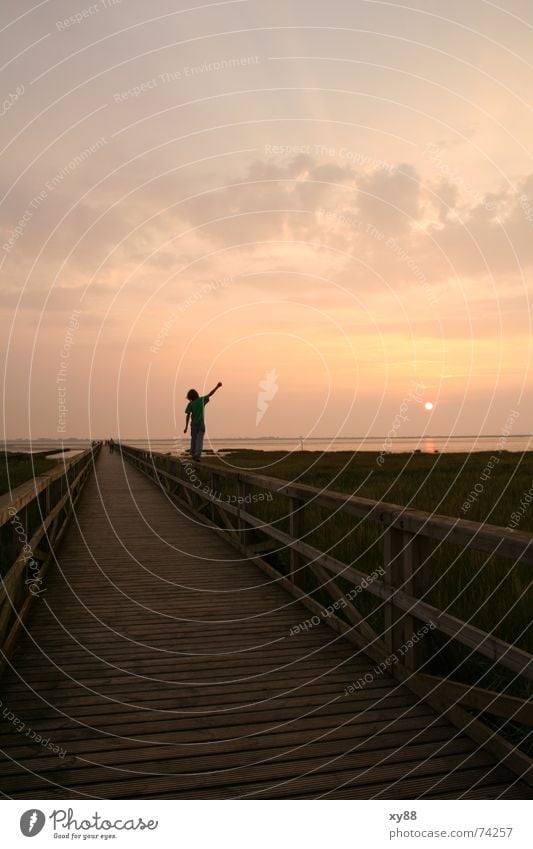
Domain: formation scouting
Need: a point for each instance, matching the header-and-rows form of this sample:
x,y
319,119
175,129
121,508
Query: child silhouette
x,y
194,412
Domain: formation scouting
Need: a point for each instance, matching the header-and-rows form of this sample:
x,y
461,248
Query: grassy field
x,y
17,468
490,592
438,483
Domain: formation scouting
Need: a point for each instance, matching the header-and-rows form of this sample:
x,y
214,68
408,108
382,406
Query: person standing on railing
x,y
194,412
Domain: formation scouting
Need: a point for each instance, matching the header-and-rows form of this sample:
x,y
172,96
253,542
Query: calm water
x,y
428,444
38,447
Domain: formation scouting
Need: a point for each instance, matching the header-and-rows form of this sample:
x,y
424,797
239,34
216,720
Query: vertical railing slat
x,y
394,576
295,531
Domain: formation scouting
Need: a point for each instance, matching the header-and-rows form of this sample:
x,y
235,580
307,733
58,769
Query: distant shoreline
x,y
514,443
153,440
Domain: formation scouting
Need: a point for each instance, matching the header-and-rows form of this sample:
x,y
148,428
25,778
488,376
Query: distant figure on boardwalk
x,y
111,445
194,412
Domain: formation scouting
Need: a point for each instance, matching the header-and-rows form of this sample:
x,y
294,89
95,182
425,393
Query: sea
x,y
179,445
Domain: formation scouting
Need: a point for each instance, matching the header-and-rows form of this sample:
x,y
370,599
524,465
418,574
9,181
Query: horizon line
x,y
270,438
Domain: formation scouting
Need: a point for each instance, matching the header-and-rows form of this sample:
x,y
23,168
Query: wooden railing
x,y
410,539
33,518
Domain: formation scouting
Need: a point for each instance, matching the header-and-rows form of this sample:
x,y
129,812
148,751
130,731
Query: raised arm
x,y
214,390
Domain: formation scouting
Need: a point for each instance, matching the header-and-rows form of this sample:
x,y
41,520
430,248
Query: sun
x,y
428,405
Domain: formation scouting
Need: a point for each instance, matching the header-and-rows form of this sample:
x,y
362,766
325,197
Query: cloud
x,y
391,201
373,232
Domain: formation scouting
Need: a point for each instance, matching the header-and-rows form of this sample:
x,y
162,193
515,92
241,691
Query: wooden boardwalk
x,y
161,665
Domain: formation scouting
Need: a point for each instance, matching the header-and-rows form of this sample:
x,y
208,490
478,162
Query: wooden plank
x,y
454,785
227,768
357,738
278,780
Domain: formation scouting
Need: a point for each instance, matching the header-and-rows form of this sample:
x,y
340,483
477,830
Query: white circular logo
x,y
32,822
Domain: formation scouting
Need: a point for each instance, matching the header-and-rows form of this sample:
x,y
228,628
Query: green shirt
x,y
196,409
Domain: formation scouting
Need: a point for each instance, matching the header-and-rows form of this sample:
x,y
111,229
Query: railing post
x,y
417,577
241,494
212,514
394,576
295,530
407,569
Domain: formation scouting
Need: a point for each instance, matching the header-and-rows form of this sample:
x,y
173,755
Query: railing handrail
x,y
481,536
24,493
31,537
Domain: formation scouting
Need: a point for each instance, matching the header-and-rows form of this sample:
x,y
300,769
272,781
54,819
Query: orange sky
x,y
336,199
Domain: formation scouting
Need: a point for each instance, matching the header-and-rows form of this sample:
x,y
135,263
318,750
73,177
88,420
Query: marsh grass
x,y
17,468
